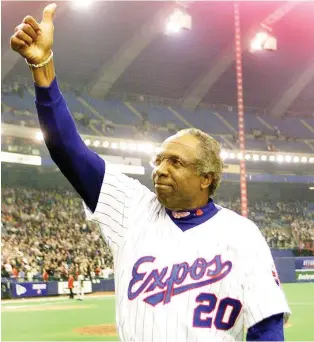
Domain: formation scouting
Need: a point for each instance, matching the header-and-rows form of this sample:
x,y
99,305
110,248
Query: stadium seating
x,y
141,120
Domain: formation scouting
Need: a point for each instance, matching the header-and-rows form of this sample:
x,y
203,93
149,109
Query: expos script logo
x,y
201,272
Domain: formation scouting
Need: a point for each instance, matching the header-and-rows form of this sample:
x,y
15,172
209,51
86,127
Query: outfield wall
x,y
295,270
290,270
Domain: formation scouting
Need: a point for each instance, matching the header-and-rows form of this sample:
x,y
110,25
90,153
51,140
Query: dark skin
x,y
177,184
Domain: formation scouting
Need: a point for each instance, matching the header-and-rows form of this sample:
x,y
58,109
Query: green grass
x,y
58,325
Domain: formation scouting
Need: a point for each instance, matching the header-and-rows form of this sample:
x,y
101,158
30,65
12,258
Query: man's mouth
x,y
162,186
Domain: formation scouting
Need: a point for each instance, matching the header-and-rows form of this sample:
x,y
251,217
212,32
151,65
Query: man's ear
x,y
206,180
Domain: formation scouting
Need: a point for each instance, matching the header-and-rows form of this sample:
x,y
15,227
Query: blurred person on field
x,y
80,284
71,285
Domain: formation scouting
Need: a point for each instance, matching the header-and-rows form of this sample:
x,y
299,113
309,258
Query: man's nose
x,y
163,168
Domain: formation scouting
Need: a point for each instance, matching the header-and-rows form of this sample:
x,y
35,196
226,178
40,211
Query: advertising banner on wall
x,y
304,269
63,287
20,290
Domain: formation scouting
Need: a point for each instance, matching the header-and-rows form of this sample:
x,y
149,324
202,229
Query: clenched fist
x,y
32,40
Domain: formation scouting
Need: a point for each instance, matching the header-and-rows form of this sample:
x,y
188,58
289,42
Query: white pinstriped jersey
x,y
205,284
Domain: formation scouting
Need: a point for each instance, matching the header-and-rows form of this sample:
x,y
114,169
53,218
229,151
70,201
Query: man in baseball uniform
x,y
186,269
80,285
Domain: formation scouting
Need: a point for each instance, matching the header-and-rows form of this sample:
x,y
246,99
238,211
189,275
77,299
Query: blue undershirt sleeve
x,y
83,168
269,329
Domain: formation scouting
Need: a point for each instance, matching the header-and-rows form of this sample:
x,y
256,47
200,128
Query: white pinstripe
x,y
135,225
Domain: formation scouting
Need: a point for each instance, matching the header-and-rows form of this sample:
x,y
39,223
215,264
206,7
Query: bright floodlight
x,y
123,145
256,157
96,143
231,155
247,156
304,160
140,147
149,148
178,20
173,27
132,146
311,160
280,158
157,149
105,144
39,136
240,156
87,142
288,159
296,159
81,4
263,157
114,145
224,154
263,41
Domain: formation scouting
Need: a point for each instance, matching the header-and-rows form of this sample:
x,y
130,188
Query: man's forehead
x,y
183,145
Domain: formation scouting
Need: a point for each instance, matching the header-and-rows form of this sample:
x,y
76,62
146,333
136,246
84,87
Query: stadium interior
x,y
129,85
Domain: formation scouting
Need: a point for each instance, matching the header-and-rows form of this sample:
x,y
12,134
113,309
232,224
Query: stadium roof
x,y
120,47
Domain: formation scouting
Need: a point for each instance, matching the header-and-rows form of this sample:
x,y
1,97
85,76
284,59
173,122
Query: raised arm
x,y
82,167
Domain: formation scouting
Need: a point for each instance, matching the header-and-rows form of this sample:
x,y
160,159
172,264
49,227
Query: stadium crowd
x,y
45,234
283,224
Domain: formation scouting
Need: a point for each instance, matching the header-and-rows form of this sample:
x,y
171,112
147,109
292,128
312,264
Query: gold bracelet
x,y
36,66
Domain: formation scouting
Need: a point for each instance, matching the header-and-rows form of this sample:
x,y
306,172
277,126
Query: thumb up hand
x,y
32,40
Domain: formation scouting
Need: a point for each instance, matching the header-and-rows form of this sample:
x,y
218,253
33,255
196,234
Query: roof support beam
x,y
293,91
112,70
201,87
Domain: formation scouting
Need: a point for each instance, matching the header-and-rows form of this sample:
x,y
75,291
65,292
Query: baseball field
x,y
61,319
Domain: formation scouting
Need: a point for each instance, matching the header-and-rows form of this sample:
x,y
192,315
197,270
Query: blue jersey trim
x,y
194,217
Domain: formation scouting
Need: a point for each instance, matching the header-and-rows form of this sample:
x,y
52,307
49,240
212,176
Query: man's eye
x,y
157,161
175,161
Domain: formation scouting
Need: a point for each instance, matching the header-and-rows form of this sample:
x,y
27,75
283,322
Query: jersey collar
x,y
187,219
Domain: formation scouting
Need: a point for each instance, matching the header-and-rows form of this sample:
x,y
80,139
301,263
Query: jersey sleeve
x,y
120,198
263,295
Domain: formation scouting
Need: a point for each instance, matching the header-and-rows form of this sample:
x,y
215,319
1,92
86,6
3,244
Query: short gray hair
x,y
208,159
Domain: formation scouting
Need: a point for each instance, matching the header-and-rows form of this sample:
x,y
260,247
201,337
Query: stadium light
x,y
280,158
148,148
240,156
224,154
263,157
303,160
256,157
288,159
132,146
106,144
172,27
87,142
247,156
263,41
296,159
140,147
114,145
39,136
96,143
231,155
157,149
272,158
311,160
123,145
179,20
81,4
